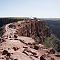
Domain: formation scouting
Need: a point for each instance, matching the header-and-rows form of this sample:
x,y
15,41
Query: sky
x,y
30,8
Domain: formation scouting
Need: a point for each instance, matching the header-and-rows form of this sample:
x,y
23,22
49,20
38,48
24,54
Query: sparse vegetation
x,y
49,42
35,43
37,39
53,42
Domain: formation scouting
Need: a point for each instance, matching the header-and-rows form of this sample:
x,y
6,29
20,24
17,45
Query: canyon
x,y
22,39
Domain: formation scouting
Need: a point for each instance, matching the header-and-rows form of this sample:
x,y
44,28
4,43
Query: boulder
x,y
4,52
42,58
52,59
51,51
36,47
57,55
15,48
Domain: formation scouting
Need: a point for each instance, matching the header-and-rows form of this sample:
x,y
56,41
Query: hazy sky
x,y
28,8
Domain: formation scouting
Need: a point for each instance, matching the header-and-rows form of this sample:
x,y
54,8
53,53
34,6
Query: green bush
x,y
53,42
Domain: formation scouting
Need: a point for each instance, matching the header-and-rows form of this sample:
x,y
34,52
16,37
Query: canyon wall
x,y
28,27
4,21
33,28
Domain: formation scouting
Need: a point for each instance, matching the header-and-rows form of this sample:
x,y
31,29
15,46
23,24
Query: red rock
x,y
36,47
42,58
15,48
33,28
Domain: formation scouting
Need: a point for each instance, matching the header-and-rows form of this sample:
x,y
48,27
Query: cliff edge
x,y
22,40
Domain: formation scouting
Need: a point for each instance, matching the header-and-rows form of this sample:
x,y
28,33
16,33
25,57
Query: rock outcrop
x,y
17,50
33,28
27,27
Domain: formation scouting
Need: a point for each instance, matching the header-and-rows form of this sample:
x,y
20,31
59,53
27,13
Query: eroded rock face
x,y
33,28
4,21
29,28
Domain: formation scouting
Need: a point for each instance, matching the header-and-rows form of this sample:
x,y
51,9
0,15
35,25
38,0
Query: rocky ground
x,y
17,47
21,50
